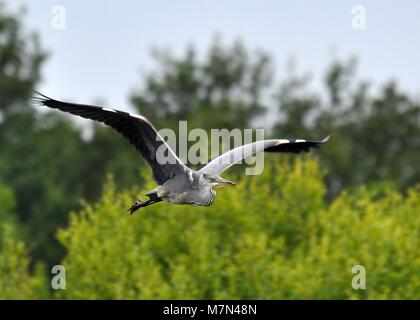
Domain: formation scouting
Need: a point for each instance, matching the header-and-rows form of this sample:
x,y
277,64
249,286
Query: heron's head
x,y
216,181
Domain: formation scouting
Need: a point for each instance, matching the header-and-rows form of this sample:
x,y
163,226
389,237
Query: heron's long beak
x,y
225,182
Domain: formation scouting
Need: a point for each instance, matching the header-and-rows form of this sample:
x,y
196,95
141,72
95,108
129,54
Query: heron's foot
x,y
137,205
140,204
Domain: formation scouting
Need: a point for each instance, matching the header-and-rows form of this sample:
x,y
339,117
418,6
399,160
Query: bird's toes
x,y
135,206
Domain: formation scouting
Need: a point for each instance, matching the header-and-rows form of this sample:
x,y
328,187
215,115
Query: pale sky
x,y
106,44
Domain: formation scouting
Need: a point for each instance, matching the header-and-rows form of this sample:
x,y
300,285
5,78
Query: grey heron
x,y
178,183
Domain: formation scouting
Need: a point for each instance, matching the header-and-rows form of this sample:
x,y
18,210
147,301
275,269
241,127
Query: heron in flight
x,y
178,184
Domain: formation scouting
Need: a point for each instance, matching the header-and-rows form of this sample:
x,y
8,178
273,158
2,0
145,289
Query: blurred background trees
x,y
223,90
16,280
285,243
47,167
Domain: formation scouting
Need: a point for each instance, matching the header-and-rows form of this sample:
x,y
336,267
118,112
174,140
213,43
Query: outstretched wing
x,y
138,130
229,158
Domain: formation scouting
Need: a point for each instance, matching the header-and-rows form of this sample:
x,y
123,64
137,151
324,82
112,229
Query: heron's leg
x,y
141,204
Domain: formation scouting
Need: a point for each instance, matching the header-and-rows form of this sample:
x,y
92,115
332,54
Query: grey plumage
x,y
178,184
229,158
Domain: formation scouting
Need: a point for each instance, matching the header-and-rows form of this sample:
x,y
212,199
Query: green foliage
x,y
374,135
7,205
271,236
268,237
16,282
20,61
53,177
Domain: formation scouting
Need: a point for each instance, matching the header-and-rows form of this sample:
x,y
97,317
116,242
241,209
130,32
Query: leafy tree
x,y
271,236
50,168
59,168
20,62
374,136
43,157
223,90
16,282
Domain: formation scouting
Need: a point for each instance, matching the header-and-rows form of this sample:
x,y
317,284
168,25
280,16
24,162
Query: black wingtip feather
x,y
297,147
40,95
40,99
